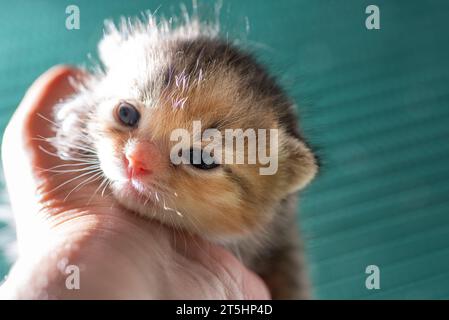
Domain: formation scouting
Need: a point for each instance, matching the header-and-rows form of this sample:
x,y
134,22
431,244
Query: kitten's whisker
x,y
48,152
77,149
45,118
171,209
148,198
96,166
105,187
192,221
56,143
65,165
160,187
82,148
73,179
86,181
105,180
86,160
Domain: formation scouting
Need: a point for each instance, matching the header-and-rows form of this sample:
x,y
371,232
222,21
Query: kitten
x,y
155,79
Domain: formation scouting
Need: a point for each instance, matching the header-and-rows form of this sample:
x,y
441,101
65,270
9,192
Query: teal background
x,y
375,103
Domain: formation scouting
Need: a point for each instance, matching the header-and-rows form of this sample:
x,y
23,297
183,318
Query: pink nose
x,y
141,158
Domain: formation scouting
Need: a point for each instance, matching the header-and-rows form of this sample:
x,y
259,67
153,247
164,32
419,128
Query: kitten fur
x,y
173,76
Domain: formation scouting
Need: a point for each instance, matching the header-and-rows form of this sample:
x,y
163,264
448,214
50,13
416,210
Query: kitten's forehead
x,y
145,63
138,76
180,80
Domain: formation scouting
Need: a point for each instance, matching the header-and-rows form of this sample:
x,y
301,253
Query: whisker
x,y
105,187
89,159
171,209
148,198
45,118
73,179
86,181
105,180
96,166
65,165
57,142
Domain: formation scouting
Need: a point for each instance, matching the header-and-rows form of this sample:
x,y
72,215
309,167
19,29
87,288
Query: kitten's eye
x,y
196,160
127,114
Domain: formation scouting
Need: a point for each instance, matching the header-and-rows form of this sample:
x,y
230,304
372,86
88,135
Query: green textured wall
x,y
376,103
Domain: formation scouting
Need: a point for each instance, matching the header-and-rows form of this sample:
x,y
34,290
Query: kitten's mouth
x,y
135,188
141,198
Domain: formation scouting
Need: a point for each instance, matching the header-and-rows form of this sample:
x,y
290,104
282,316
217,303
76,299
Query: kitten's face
x,y
221,201
151,90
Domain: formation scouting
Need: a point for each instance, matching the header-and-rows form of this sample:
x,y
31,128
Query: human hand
x,y
119,255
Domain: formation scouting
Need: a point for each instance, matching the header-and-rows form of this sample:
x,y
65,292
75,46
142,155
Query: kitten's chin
x,y
152,208
135,197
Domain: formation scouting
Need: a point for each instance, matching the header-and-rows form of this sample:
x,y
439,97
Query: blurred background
x,y
374,104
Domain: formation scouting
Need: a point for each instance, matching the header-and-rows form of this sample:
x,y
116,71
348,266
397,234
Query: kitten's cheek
x,y
110,164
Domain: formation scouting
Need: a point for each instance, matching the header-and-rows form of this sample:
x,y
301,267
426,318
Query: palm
x,y
63,210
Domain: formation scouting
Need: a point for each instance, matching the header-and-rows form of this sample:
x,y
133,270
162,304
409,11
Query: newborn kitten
x,y
156,79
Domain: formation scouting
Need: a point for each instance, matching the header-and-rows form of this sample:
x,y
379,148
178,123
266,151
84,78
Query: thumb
x,y
22,153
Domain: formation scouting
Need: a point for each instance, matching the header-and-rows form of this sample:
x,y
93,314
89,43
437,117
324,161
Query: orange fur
x,y
214,203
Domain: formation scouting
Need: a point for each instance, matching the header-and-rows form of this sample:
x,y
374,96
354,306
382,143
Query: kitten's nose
x,y
140,158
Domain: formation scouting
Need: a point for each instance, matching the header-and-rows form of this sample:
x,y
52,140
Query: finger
x,y
37,110
21,151
248,285
253,287
241,282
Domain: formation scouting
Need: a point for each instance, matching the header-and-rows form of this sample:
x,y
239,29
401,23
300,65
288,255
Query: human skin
x,y
119,255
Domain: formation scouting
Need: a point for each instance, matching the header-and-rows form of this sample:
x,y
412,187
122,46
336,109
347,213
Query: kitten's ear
x,y
300,165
